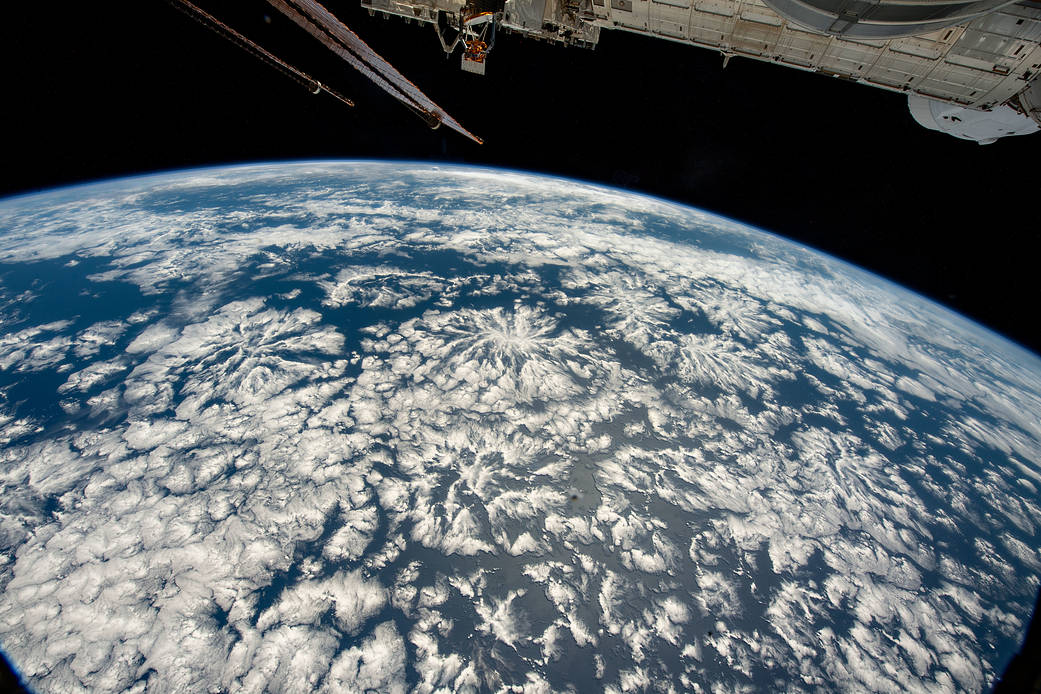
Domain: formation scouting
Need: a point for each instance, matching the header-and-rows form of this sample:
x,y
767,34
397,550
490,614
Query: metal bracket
x,y
440,26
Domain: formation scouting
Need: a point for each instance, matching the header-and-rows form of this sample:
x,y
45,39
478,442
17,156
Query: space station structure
x,y
969,68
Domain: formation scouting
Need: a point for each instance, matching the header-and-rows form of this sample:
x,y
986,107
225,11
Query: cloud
x,y
831,476
98,372
377,665
502,620
27,350
383,287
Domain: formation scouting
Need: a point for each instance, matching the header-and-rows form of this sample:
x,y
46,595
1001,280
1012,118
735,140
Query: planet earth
x,y
389,427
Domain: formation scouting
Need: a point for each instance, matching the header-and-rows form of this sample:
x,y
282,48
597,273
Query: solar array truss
x,y
316,20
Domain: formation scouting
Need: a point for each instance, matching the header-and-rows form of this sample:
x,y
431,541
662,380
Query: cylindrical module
x,y
982,127
881,19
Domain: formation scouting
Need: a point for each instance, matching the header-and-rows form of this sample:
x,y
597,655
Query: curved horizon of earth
x,y
402,427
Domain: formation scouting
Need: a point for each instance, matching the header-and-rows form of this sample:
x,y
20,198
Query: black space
x,y
10,682
115,88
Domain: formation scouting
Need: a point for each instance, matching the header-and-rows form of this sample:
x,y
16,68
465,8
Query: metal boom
x,y
222,29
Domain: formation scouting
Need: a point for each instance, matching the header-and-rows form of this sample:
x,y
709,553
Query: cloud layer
x,y
401,428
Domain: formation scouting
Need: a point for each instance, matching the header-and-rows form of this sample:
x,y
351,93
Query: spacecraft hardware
x,y
206,19
317,21
969,67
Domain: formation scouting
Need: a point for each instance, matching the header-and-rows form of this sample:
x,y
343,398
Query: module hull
x,y
981,64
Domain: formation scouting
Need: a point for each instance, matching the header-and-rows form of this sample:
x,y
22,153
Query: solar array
x,y
316,20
